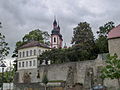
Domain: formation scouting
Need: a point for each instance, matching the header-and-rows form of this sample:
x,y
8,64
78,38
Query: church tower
x,y
114,41
56,37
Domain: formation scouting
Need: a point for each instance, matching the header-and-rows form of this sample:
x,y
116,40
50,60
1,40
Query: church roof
x,y
114,33
34,44
56,29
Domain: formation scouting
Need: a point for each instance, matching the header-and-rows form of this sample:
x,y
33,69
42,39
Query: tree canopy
x,y
83,40
35,35
83,47
4,49
82,34
102,42
112,68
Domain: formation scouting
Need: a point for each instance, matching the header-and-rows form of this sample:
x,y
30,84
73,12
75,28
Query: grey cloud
x,y
21,16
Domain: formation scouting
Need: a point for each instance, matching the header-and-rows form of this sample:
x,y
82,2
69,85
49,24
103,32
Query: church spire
x,y
54,23
58,26
56,37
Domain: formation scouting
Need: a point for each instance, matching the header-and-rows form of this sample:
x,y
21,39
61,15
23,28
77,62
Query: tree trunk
x,y
119,82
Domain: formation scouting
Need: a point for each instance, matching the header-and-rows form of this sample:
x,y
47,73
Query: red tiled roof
x,y
34,44
114,33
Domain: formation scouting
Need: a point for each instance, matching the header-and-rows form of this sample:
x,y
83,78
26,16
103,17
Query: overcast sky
x,y
19,17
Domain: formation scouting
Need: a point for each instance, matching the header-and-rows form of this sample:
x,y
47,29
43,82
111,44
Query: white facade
x,y
27,57
7,86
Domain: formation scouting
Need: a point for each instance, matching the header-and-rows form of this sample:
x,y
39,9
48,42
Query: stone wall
x,y
83,72
114,46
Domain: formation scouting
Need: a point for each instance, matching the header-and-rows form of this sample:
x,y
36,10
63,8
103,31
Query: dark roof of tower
x,y
56,30
58,27
55,22
114,33
60,37
34,44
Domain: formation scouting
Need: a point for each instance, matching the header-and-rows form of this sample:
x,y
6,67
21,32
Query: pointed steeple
x,y
54,23
56,37
58,27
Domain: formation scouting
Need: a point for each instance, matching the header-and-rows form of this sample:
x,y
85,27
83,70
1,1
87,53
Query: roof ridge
x,y
34,44
115,32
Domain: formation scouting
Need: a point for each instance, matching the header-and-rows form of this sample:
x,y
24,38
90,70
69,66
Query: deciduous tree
x,y
101,42
4,49
112,68
83,39
35,35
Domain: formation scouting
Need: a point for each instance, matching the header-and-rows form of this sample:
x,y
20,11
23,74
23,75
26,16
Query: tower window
x,y
54,39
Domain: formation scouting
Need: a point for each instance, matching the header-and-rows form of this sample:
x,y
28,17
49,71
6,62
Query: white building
x,y
28,54
7,86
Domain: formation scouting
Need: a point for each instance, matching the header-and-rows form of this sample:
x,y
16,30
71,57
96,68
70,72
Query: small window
x,y
33,62
34,52
23,54
30,52
54,39
26,63
30,62
27,53
20,54
22,64
19,64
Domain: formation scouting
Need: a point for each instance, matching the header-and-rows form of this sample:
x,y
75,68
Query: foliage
x,y
82,34
83,48
101,42
112,68
83,40
4,49
8,75
45,79
35,35
82,52
58,56
54,55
